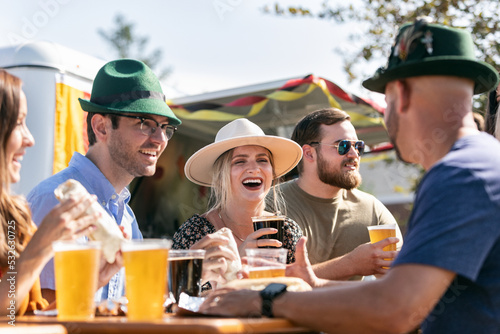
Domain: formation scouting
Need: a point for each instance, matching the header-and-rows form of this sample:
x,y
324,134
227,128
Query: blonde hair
x,y
15,216
221,190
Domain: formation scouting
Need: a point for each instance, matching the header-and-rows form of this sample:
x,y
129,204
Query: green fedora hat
x,y
423,48
127,86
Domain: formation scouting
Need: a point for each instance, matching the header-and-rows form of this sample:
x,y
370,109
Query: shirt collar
x,y
101,186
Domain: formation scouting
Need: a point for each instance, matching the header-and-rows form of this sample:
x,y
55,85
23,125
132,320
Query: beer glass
x,y
266,262
276,222
76,266
146,268
381,232
185,268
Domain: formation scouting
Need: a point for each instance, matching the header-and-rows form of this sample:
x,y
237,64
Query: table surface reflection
x,y
169,324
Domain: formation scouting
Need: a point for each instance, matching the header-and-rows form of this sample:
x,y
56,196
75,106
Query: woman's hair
x,y
15,216
221,190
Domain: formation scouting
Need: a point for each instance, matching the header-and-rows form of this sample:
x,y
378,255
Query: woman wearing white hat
x,y
240,166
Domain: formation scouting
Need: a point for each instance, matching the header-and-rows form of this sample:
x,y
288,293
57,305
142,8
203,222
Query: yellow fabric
x,y
69,116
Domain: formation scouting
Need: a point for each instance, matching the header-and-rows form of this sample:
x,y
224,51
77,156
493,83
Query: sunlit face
x,y
251,172
334,169
19,140
132,151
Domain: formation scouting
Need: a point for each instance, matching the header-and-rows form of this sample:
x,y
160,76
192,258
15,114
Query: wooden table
x,y
169,324
32,329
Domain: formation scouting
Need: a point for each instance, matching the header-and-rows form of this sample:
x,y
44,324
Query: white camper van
x,y
48,70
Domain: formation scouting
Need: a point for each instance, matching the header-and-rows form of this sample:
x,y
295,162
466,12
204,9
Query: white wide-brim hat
x,y
286,153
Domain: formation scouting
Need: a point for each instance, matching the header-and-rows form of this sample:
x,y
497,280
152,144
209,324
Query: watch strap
x,y
271,292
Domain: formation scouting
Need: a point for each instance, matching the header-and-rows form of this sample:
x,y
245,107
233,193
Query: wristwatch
x,y
270,293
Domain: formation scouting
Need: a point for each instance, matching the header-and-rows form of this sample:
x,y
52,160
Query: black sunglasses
x,y
149,126
343,146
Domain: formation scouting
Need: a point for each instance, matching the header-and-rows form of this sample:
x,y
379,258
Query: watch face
x,y
274,288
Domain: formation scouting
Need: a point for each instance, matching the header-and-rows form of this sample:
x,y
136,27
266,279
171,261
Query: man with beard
x,y
128,127
324,201
446,278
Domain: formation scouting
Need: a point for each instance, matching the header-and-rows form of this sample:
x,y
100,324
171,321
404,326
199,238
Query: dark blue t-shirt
x,y
455,225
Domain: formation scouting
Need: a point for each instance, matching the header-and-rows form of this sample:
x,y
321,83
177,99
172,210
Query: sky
x,y
209,44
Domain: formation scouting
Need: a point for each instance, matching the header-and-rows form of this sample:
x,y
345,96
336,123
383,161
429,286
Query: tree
x,y
379,20
129,45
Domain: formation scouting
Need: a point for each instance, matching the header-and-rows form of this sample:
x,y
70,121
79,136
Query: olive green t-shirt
x,y
334,226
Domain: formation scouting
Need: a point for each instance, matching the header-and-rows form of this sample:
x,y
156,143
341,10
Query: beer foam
x,y
185,258
264,268
187,253
63,246
142,245
267,218
382,227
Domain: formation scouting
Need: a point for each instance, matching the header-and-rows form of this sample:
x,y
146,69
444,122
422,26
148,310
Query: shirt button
x,y
103,203
113,197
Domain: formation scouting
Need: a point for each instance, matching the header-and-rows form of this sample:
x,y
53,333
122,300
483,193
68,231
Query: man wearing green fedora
x,y
446,278
128,127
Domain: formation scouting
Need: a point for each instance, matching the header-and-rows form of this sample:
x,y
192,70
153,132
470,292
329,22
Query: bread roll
x,y
293,283
232,266
107,230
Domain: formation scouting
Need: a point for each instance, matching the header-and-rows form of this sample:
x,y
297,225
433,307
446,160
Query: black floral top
x,y
196,227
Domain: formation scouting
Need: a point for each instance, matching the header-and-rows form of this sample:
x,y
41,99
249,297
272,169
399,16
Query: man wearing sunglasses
x,y
128,126
325,202
446,278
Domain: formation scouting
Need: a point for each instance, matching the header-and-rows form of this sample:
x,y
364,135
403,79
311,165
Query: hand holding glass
x,y
381,232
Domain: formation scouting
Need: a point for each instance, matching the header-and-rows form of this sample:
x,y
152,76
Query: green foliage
x,y
128,44
378,21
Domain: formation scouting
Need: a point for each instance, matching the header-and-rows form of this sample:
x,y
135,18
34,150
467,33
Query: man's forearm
x,y
340,268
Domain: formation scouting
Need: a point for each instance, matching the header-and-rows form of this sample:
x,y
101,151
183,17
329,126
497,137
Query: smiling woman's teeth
x,y
252,182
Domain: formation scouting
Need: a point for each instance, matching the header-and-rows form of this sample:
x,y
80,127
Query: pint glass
x,y
76,273
145,277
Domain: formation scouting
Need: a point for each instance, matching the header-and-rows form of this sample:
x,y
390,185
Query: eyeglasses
x,y
343,146
149,126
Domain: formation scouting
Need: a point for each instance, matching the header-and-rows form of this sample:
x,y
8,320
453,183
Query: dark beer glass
x,y
185,268
277,222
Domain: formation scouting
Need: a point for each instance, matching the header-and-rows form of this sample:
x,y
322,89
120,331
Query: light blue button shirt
x,y
42,200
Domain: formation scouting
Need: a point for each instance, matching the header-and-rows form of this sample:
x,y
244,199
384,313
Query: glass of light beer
x,y
76,266
277,222
146,268
381,232
266,262
185,269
